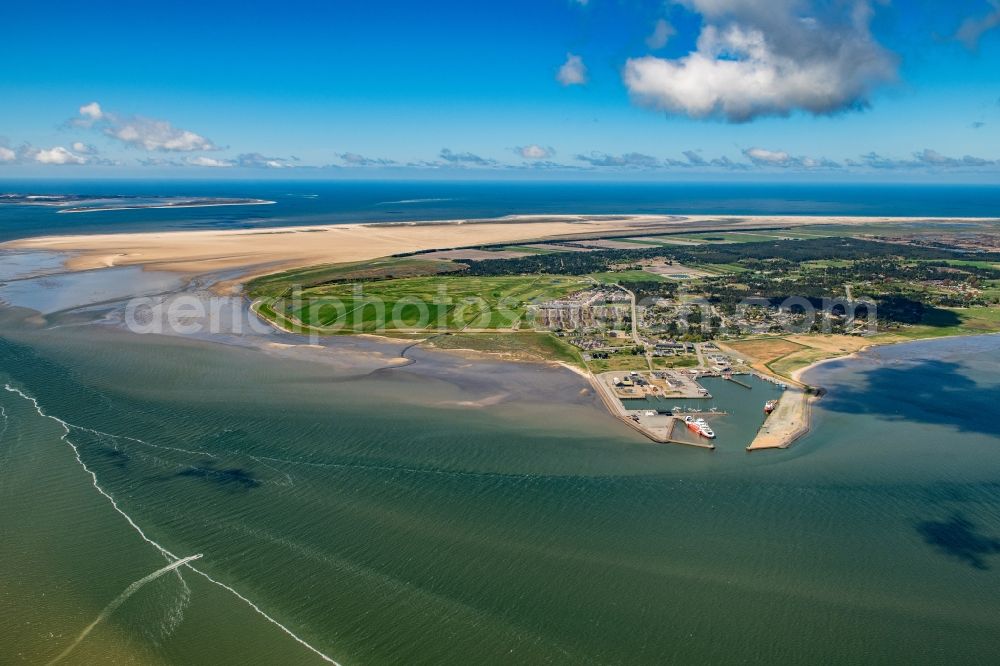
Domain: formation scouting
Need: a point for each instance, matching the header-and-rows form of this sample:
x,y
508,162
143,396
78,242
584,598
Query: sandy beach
x,y
255,251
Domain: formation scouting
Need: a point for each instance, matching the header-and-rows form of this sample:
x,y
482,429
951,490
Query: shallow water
x,y
386,519
65,291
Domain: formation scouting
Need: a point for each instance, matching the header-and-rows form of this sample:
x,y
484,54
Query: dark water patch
x,y
960,538
115,457
932,391
228,477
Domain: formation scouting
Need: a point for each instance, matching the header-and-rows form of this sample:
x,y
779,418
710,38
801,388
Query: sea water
x,y
382,518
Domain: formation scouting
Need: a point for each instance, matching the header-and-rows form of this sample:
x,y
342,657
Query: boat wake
x,y
119,600
68,428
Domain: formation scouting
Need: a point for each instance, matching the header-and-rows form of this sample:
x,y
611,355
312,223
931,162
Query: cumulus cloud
x,y
92,111
974,27
779,158
258,161
767,57
535,152
84,148
56,155
7,155
141,132
573,72
627,160
354,159
465,158
662,32
211,162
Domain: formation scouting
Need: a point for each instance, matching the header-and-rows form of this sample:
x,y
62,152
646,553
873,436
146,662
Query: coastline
x,y
279,248
246,253
789,436
109,209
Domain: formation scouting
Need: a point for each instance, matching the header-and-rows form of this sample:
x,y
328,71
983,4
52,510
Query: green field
x,y
944,322
433,303
278,284
666,362
615,277
525,346
525,249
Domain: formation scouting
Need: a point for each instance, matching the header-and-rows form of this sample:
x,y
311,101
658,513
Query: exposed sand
x,y
251,252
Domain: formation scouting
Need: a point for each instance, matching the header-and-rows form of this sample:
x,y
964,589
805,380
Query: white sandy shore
x,y
105,209
255,251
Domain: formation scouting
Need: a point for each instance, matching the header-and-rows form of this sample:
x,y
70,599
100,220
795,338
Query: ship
x,y
700,427
769,406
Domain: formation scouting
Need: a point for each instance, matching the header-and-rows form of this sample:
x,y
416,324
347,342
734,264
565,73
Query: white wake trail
x,y
119,600
76,452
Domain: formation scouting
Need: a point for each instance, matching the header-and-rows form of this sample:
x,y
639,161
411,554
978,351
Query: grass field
x,y
524,248
278,284
433,303
615,277
970,321
667,362
526,346
621,362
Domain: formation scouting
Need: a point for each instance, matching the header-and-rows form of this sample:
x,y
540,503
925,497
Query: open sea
x,y
331,202
463,511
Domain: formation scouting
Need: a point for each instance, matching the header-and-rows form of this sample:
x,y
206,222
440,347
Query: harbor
x,y
706,410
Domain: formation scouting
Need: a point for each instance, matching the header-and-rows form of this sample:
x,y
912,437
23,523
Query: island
x,y
649,309
86,203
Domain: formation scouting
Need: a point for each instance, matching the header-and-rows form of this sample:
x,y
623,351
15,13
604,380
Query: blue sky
x,y
631,89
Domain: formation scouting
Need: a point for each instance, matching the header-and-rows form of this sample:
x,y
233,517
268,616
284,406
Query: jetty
x,y
650,423
787,423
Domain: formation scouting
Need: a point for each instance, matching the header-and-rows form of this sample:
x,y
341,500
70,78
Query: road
x,y
635,327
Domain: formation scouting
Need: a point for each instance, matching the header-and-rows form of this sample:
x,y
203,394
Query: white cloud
x,y
535,152
573,72
57,155
84,148
662,32
767,57
211,162
768,157
258,161
763,157
160,135
626,161
7,155
140,132
91,111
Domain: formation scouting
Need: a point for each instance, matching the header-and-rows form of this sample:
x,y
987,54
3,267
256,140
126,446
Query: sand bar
x,y
257,251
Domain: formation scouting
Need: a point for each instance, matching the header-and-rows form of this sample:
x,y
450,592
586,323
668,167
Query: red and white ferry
x,y
700,427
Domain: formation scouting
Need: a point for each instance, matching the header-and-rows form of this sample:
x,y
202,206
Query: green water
x,y
381,522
